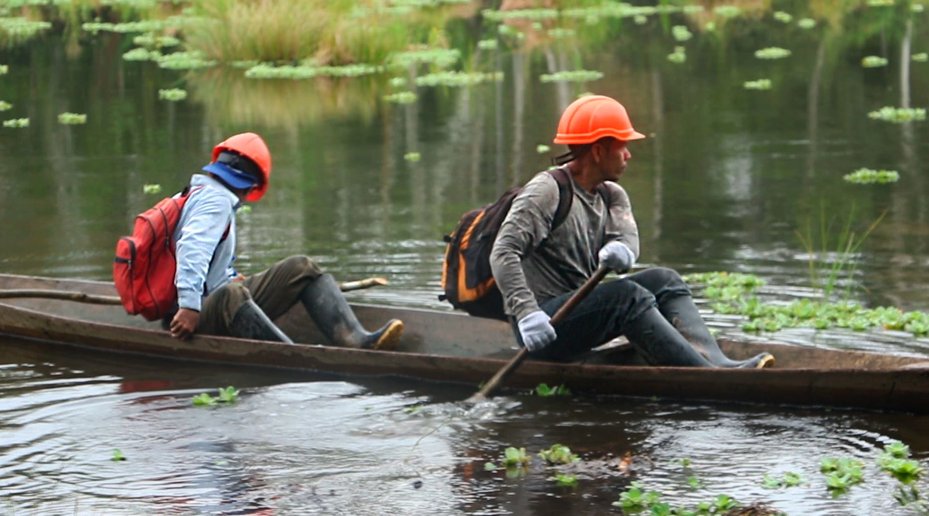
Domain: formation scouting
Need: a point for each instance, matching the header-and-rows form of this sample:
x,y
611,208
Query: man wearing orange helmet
x,y
537,268
213,298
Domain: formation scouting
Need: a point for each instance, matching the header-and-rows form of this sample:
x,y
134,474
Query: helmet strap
x,y
561,159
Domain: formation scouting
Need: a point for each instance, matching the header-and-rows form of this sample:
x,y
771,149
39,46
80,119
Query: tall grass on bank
x,y
289,31
832,259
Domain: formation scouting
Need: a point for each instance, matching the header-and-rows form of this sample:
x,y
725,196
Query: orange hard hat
x,y
252,147
590,118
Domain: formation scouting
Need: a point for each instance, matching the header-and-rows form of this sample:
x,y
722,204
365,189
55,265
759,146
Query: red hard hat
x,y
252,147
590,118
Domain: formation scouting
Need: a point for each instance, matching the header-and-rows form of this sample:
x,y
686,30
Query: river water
x,y
727,180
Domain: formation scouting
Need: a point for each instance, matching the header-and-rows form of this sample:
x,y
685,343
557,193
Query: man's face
x,y
614,155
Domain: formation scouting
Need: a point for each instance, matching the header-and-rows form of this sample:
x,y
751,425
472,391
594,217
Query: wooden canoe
x,y
453,347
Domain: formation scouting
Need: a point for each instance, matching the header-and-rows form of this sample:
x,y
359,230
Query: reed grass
x,y
291,31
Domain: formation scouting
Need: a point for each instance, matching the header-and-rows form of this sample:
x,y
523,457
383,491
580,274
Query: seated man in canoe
x,y
537,268
212,298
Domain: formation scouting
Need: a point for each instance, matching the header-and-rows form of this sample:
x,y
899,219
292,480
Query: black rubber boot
x,y
660,344
683,314
328,308
250,322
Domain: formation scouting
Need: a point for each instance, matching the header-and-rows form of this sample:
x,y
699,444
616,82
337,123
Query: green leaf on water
x,y
118,455
203,400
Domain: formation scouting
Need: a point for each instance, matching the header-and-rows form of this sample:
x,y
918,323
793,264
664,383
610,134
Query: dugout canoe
x,y
452,347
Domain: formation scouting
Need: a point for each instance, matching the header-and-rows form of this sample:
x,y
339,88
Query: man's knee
x,y
662,282
231,296
301,266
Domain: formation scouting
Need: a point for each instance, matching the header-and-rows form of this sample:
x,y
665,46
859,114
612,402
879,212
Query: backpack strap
x,y
565,195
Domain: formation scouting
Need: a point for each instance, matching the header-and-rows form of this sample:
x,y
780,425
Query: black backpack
x,y
467,281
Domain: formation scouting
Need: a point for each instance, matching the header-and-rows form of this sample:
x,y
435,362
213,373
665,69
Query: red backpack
x,y
144,267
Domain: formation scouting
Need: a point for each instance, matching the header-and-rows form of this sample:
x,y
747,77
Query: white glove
x,y
617,256
536,331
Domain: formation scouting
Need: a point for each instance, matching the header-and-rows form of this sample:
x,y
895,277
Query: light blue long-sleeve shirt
x,y
204,258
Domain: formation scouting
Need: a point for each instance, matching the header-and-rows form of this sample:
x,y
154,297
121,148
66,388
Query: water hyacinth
x,y
457,78
806,23
19,30
151,40
184,61
16,122
759,84
561,33
783,17
772,53
4,69
72,118
172,94
898,115
873,61
921,57
681,33
127,27
4,105
441,57
519,14
403,97
542,148
727,11
678,56
151,188
487,44
142,54
412,157
640,19
268,71
869,176
572,76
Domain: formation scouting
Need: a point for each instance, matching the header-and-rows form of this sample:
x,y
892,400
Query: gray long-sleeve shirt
x,y
532,264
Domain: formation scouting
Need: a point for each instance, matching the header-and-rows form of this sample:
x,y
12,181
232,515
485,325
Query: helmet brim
x,y
231,176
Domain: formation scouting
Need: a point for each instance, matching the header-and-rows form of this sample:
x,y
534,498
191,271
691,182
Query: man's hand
x,y
184,323
617,256
536,330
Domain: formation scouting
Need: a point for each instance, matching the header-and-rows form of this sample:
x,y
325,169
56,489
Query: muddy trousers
x,y
275,291
629,306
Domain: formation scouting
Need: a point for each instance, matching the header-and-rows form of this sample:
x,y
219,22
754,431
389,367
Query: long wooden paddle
x,y
562,312
82,297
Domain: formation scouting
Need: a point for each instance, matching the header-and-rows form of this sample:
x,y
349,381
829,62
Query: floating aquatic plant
x,y
117,455
921,57
881,3
841,473
152,40
869,176
727,11
572,76
564,479
678,56
226,395
898,115
412,157
640,19
402,97
545,391
172,94
515,457
806,23
681,33
397,82
441,57
788,479
542,148
917,7
487,44
519,14
783,17
5,105
873,61
19,29
558,454
4,69
562,33
151,188
72,118
759,84
185,61
457,78
126,27
142,54
772,53
16,122
636,498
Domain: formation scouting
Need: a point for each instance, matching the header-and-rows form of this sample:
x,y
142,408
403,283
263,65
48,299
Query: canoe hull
x,y
448,347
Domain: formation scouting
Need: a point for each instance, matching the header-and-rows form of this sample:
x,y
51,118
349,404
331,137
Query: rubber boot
x,y
660,344
328,308
683,314
250,322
